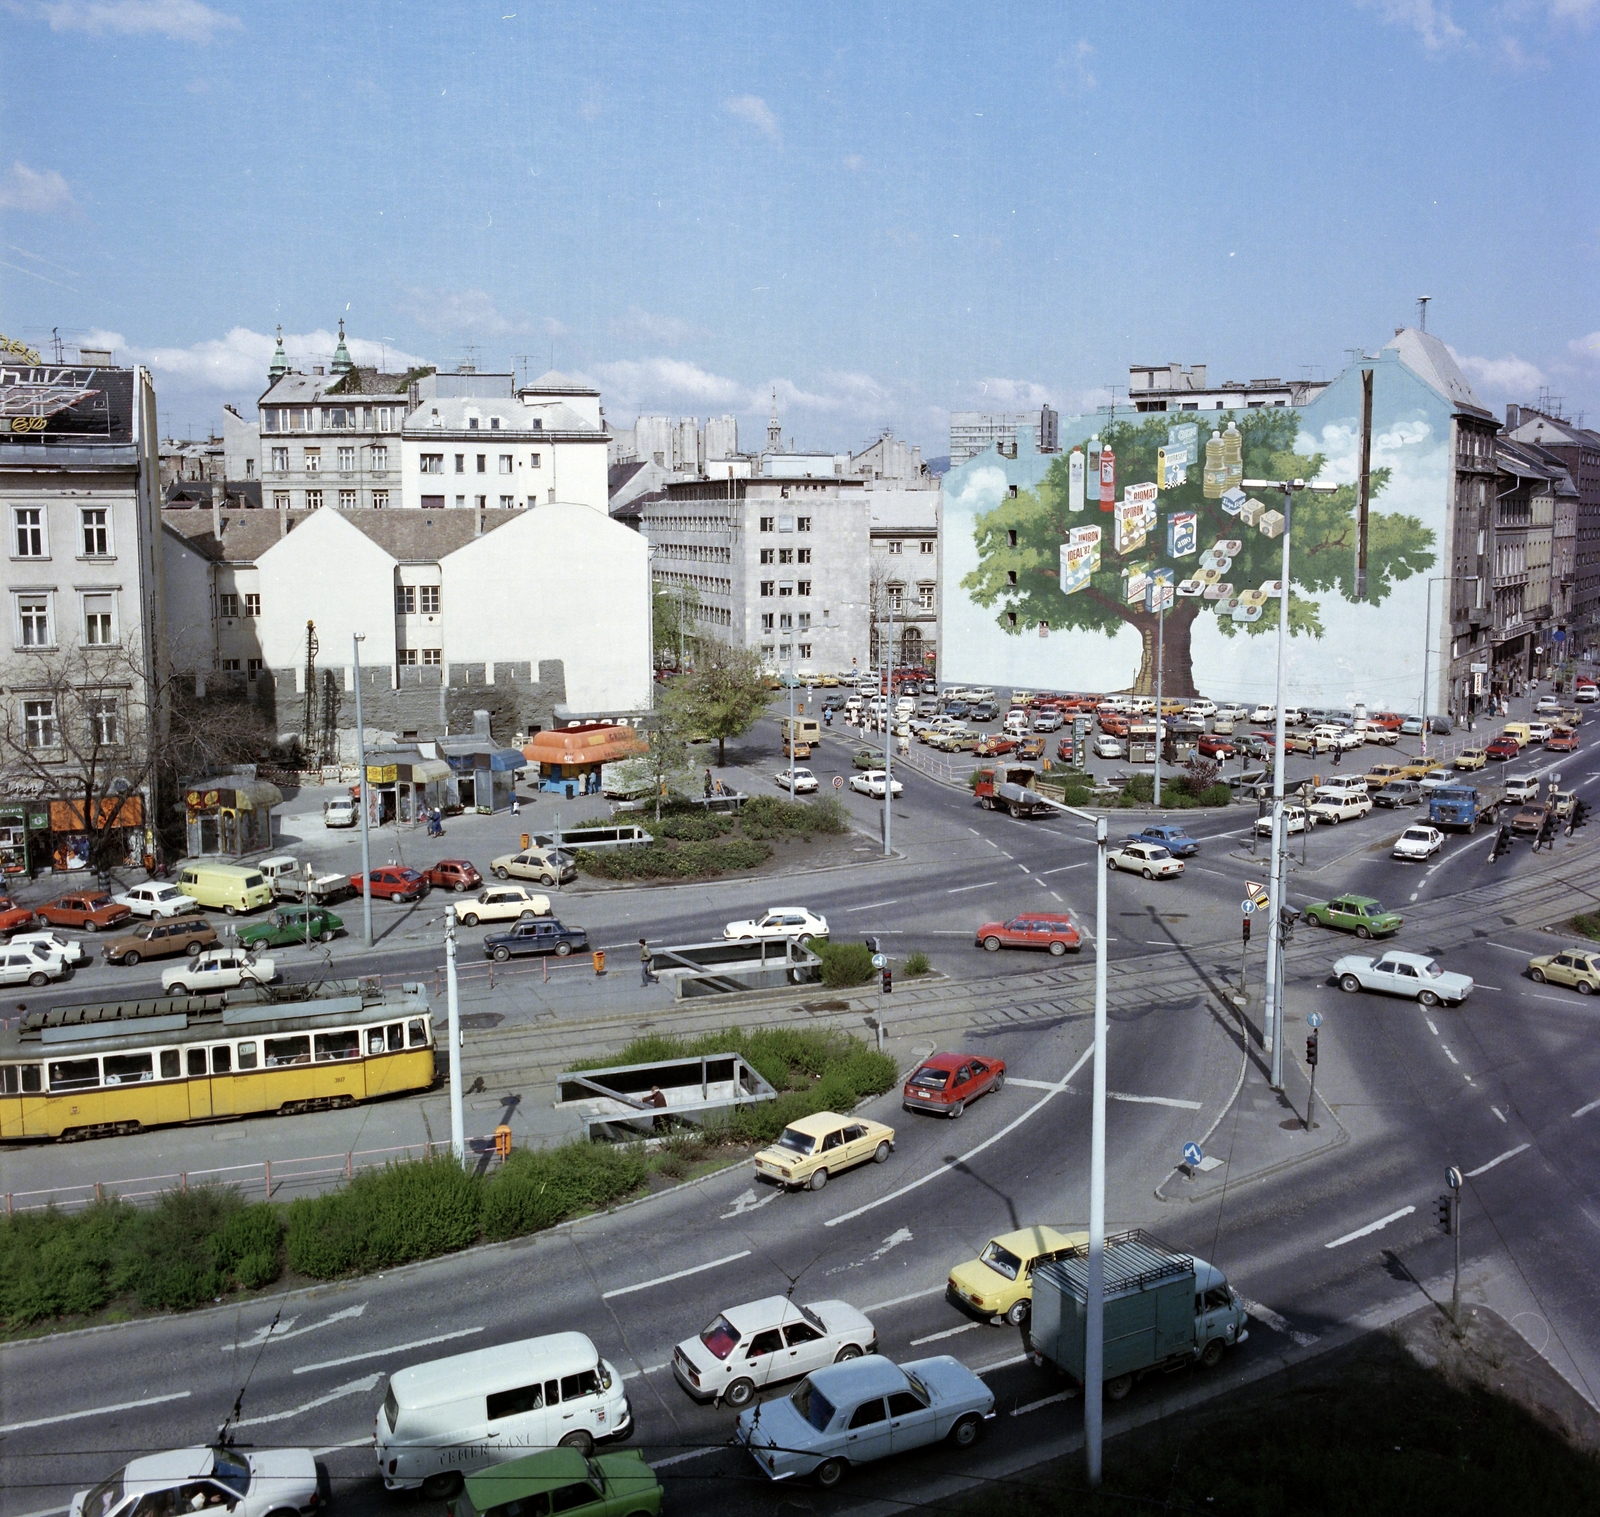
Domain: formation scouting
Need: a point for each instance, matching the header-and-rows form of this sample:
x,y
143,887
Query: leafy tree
x,y
723,695
1022,577
667,759
676,625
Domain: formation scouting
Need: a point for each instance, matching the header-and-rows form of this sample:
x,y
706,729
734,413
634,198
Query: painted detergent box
x,y
1183,534
1219,591
1172,467
1232,500
1271,525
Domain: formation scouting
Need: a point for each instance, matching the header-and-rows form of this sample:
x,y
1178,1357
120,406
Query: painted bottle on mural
x,y
1215,483
1233,456
1108,477
1094,468
1075,480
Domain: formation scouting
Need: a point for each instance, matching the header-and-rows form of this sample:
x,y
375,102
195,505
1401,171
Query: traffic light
x,y
1247,929
1311,1050
1444,1215
1580,817
888,981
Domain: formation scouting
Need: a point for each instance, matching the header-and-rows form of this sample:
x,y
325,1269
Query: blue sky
x,y
885,212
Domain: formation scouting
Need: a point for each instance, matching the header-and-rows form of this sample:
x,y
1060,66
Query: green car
x,y
866,758
613,1484
286,927
1359,914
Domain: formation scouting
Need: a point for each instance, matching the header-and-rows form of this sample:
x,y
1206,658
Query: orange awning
x,y
110,811
598,744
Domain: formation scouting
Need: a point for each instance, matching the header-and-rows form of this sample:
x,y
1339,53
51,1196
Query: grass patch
x,y
916,964
673,860
693,844
1175,794
1586,923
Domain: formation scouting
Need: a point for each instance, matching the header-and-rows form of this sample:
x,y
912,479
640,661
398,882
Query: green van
x,y
224,887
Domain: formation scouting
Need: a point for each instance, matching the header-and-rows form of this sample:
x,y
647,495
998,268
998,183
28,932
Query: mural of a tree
x,y
1019,544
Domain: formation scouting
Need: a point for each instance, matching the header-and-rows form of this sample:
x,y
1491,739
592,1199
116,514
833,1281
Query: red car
x,y
1064,749
1562,740
994,745
948,1082
1390,721
453,874
88,913
1215,747
394,884
13,918
1055,931
1503,748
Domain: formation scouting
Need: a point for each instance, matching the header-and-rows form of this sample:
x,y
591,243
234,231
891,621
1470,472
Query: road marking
x,y
932,1290
1414,894
1371,1227
1431,1028
266,1334
971,1153
991,842
1065,867
698,1269
1024,868
984,886
949,1332
870,906
1033,1406
1510,1153
1496,1110
1450,1056
354,1388
1056,894
649,1369
692,1454
353,1443
1584,1111
749,1201
378,1353
93,1411
1278,1323
1117,1095
1001,1364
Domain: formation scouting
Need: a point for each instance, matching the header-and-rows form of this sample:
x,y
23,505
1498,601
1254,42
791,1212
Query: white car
x,y
1403,974
762,1342
780,922
805,782
1294,820
340,813
1264,714
68,950
1547,705
1418,843
1335,806
1149,859
1107,747
201,1479
29,964
1434,778
1522,788
870,782
1233,713
1540,731
1201,708
503,903
156,901
218,969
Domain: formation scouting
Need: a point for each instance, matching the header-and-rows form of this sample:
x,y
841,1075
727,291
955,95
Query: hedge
x,y
683,861
843,964
695,844
1175,795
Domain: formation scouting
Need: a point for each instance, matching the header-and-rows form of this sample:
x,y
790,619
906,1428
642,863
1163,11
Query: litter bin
x,y
526,839
599,961
502,1142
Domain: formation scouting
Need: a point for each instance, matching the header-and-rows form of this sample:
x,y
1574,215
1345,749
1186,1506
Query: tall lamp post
x,y
1427,646
366,838
1272,1008
888,725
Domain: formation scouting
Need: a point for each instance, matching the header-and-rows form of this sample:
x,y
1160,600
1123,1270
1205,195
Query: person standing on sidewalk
x,y
645,977
516,804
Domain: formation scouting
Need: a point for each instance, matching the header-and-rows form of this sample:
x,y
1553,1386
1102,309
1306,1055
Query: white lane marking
x,y
1450,1056
692,1454
974,831
649,1369
1065,867
1371,1227
1277,1322
379,1353
1510,1153
984,886
894,1240
680,1274
1033,1406
1496,1110
93,1411
932,1290
749,1202
949,1332
354,1388
870,906
1031,1084
353,1443
1416,893
991,842
288,1329
1431,1028
1024,868
1584,1111
1117,1095
1056,894
1001,1364
971,1153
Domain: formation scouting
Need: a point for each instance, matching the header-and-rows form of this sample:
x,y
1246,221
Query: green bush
x,y
916,964
537,1189
843,963
682,861
694,826
1140,791
766,816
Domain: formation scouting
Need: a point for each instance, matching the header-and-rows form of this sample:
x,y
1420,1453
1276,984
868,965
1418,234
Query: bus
x,y
119,1067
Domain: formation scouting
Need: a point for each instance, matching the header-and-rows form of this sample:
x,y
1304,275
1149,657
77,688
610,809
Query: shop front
x,y
119,821
231,816
24,836
404,786
485,776
570,758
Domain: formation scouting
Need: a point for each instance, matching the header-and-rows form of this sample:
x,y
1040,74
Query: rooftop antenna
x,y
1422,310
55,338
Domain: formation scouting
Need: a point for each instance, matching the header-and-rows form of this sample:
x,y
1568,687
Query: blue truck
x,y
1460,808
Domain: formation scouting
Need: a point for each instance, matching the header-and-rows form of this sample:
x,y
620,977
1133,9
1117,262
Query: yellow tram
x,y
93,1071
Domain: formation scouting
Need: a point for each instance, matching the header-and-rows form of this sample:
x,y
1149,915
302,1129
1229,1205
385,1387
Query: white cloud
x,y
178,20
1431,20
1505,376
238,362
645,326
666,384
455,311
1012,394
1586,348
38,190
1073,67
754,111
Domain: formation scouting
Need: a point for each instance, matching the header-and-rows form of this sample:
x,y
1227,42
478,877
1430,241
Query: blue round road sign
x,y
879,960
1191,1154
1314,1021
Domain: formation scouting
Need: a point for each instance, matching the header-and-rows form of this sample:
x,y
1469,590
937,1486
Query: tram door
x,y
197,1069
222,1079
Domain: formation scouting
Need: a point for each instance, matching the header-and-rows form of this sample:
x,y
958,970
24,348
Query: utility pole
x,y
1158,591
790,683
888,726
366,839
1095,1280
458,1140
1450,1222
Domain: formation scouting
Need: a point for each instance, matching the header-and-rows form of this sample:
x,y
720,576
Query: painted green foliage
x,y
1322,544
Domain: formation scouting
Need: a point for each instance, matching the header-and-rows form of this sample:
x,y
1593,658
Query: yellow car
x,y
1578,967
815,1147
999,1282
1471,758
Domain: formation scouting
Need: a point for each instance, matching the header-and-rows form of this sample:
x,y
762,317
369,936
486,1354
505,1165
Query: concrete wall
x,y
576,471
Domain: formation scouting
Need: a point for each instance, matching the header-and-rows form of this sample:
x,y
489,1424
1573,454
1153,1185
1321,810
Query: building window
x,y
785,650
313,460
483,463
805,621
535,458
461,502
252,604
280,500
766,587
766,621
29,521
895,593
505,463
347,500
804,587
313,500
407,656
433,657
766,523
924,597
507,502
461,463
280,460
347,460
472,424
380,500
231,666
254,667
804,524
39,723
428,599
405,600
805,650
927,546
786,623
895,545
249,468
766,555
786,587
786,524
33,617
481,501
105,728
380,458
97,620
494,423
96,532
227,603
802,555
785,555
766,650
433,463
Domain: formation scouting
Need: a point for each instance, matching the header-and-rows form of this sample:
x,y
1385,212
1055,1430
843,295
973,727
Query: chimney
x,y
477,526
216,509
283,524
1197,380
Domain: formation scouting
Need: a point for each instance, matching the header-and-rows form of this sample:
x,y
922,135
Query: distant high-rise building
x,y
973,431
722,436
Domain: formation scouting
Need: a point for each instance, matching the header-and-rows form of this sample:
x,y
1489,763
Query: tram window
x,y
74,1074
375,1040
19,1079
338,1045
417,1032
129,1068
288,1051
247,1056
197,1062
169,1063
396,1033
221,1059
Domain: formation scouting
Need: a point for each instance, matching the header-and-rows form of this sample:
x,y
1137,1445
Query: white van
x,y
460,1414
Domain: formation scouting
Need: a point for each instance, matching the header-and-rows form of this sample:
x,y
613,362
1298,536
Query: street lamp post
x,y
1427,645
1161,658
361,787
458,1140
888,727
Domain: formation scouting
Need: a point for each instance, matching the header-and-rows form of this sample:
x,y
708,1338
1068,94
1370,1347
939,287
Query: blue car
x,y
1174,839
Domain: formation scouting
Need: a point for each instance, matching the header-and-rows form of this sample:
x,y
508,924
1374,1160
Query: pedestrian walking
x,y
708,784
516,804
645,977
1338,754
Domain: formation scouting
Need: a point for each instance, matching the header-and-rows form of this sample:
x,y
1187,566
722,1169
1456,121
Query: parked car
x,y
1149,859
503,903
393,883
341,811
1106,747
999,1282
1471,759
160,940
1212,746
1170,836
13,917
1031,748
1418,843
30,964
549,866
810,1149
994,744
156,900
1064,748
1577,967
219,969
1056,932
981,711
1359,914
453,874
1403,974
745,1348
1264,714
69,950
780,922
535,935
854,1413
1399,793
947,1083
286,928
1502,748
275,1480
88,912
805,782
872,783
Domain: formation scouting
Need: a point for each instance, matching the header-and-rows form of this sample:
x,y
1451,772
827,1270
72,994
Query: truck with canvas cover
x,y
1009,788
